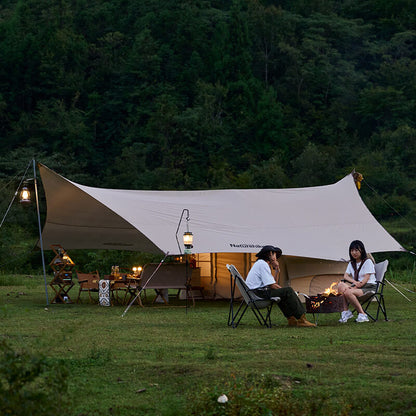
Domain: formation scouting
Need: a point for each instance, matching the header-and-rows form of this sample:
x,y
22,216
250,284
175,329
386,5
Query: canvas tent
x,y
313,225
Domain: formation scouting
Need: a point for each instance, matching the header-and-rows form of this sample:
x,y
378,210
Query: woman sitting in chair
x,y
360,279
265,285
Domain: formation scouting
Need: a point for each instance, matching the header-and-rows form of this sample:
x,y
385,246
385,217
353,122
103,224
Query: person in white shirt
x,y
266,285
359,279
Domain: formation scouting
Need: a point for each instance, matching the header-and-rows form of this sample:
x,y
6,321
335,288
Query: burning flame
x,y
332,290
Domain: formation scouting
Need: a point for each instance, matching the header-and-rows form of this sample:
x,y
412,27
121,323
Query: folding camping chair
x,y
377,296
88,282
250,300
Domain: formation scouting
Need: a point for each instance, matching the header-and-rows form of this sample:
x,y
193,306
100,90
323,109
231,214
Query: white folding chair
x,y
376,298
250,300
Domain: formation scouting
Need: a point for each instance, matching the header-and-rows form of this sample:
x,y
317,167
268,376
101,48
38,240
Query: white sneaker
x,y
345,315
362,317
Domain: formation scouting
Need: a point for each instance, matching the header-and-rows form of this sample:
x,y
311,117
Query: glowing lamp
x,y
25,195
137,270
188,240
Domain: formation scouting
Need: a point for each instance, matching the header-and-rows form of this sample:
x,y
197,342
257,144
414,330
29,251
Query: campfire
x,y
327,302
331,290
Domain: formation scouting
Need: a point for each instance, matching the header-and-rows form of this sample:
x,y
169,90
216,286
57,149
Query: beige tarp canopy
x,y
315,223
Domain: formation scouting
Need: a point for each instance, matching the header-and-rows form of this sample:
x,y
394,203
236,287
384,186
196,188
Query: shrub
x,y
30,385
260,395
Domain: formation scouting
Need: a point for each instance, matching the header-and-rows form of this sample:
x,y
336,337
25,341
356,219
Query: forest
x,y
199,94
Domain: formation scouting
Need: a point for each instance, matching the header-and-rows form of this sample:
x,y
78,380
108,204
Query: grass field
x,y
166,360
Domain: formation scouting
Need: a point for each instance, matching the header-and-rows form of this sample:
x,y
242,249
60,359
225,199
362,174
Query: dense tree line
x,y
202,94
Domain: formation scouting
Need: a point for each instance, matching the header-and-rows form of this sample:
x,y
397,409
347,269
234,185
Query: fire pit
x,y
325,303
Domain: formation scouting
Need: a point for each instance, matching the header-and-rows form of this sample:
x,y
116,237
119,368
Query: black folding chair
x,y
250,300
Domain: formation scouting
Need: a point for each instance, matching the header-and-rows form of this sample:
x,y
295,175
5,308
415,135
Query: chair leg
x,y
379,299
231,313
263,320
235,319
366,305
382,308
268,319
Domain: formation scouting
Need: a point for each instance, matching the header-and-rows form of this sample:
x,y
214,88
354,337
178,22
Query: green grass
x,y
166,360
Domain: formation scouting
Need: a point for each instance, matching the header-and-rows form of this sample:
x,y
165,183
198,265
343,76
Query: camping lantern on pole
x,y
25,199
188,238
25,195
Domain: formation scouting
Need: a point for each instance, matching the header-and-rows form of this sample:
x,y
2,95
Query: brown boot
x,y
292,321
303,322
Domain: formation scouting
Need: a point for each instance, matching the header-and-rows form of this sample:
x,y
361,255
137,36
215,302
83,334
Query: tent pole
x,y
186,280
186,253
395,288
40,231
144,287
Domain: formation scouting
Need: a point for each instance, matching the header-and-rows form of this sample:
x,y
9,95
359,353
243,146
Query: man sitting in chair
x,y
265,285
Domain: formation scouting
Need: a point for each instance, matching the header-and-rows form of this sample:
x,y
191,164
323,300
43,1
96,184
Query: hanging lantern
x,y
25,195
188,240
